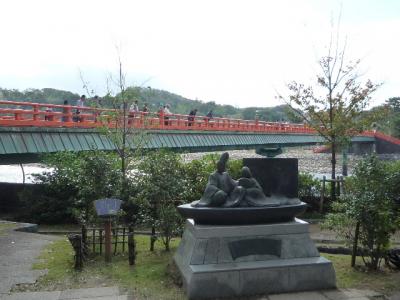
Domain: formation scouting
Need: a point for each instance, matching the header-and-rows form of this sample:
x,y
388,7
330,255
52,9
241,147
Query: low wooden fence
x,y
94,239
339,185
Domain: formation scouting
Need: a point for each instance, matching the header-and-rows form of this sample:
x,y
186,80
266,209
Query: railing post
x,y
338,186
80,116
17,116
35,115
161,119
341,185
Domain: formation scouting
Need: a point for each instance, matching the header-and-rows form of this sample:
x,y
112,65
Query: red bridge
x,y
31,128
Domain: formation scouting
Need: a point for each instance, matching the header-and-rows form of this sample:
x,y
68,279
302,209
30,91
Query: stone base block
x,y
229,261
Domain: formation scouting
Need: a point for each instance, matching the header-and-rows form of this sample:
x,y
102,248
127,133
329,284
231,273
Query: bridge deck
x,y
13,113
28,130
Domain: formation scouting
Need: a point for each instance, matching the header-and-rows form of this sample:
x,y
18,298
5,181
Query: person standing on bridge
x,y
167,112
145,108
134,108
191,116
79,103
133,111
208,117
66,111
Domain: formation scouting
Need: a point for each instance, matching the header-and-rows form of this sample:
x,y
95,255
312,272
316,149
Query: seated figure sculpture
x,y
254,195
223,191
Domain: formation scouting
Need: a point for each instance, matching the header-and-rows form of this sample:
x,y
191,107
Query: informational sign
x,y
107,207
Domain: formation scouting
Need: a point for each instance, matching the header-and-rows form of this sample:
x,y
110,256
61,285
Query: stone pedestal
x,y
239,260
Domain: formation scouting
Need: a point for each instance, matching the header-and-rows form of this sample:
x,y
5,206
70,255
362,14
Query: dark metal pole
x,y
321,201
344,162
23,173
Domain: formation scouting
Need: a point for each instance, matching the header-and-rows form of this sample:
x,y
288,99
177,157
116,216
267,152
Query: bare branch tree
x,y
334,112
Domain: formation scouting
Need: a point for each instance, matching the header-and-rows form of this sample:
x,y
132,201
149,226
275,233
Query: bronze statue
x,y
223,191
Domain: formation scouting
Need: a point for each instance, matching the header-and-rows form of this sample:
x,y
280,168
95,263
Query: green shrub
x,y
370,203
45,205
76,180
161,187
308,186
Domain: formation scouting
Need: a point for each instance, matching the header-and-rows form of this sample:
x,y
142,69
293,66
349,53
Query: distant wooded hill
x,y
155,98
389,122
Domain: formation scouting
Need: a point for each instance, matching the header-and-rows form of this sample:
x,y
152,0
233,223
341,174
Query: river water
x,y
13,173
317,164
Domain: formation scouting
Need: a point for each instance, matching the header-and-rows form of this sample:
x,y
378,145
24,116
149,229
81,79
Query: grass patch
x,y
58,227
148,279
6,226
385,280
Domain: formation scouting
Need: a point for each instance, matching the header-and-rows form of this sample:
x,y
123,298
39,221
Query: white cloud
x,y
232,52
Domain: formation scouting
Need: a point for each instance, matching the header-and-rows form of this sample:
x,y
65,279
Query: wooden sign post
x,y
107,240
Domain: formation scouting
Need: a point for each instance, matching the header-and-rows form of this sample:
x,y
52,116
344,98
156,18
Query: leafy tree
x,y
46,95
368,213
249,113
127,140
196,174
308,186
394,103
153,97
76,180
393,118
333,105
160,186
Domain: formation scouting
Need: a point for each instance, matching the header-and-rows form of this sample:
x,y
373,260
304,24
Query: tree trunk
x,y
333,175
167,244
124,151
153,237
131,246
355,245
344,163
85,247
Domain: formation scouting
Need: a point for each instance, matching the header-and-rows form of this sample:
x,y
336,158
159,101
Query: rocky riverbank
x,y
310,162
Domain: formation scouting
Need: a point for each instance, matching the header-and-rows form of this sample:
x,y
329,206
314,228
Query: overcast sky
x,y
230,52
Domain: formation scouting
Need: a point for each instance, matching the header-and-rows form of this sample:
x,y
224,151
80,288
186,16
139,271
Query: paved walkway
x,y
19,250
340,294
112,293
101,293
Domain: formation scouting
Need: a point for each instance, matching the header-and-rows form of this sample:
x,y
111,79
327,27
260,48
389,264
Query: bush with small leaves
x,y
370,204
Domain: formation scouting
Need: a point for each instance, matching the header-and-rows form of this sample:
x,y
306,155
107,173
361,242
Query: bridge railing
x,y
381,135
15,113
28,114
